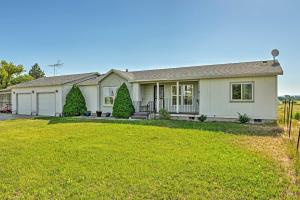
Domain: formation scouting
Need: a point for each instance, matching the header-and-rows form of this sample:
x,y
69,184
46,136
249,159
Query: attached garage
x,y
46,104
45,96
24,103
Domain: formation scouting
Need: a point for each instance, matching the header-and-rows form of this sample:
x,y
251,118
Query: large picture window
x,y
242,91
185,94
109,94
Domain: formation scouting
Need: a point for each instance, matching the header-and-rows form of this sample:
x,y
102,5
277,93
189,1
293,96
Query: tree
x,y
36,71
123,107
21,78
75,103
9,71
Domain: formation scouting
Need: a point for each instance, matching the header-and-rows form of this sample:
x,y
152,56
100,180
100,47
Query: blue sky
x,y
99,35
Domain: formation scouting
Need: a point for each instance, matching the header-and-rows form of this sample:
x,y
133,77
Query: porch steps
x,y
140,115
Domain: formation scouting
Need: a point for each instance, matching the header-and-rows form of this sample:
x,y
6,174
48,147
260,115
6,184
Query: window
x,y
174,93
188,94
185,95
241,91
109,94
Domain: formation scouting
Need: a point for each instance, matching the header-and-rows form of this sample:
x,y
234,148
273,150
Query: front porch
x,y
175,97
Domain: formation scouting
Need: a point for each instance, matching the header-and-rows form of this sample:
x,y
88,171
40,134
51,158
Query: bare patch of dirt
x,y
274,148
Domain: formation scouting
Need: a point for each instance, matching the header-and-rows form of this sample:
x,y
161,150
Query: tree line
x,y
11,74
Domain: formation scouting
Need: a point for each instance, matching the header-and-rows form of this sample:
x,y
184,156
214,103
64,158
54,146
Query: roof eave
x,y
211,77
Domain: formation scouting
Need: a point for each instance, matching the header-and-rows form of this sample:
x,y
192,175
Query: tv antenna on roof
x,y
275,53
58,64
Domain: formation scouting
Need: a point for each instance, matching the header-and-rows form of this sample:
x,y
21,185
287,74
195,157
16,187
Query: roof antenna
x,y
58,64
275,53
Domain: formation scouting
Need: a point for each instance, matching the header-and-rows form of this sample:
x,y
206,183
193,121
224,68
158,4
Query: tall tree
x,y
9,71
36,71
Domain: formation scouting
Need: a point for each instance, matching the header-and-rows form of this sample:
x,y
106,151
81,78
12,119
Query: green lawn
x,y
64,158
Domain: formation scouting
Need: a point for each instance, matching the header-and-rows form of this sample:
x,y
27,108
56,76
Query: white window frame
x,y
181,96
103,92
241,85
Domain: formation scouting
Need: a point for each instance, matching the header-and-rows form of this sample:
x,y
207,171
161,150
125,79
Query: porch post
x,y
136,98
157,97
177,97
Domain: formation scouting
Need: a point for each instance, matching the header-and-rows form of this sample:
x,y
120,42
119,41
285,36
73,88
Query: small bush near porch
x,y
75,103
73,159
123,107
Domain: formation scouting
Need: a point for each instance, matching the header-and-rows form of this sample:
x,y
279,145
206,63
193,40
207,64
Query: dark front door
x,y
161,96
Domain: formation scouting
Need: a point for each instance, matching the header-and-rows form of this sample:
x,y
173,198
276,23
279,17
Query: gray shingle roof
x,y
92,81
56,80
256,68
243,69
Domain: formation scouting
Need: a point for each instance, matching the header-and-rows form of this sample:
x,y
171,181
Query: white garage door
x,y
46,104
24,104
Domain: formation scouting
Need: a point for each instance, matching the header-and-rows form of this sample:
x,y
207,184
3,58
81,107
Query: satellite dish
x,y
275,53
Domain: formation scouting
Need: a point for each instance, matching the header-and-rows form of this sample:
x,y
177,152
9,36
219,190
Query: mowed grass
x,y
43,160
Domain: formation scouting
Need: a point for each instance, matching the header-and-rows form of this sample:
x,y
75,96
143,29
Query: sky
x,y
95,35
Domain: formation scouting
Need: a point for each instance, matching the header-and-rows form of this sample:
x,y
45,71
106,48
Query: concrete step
x,y
139,117
141,113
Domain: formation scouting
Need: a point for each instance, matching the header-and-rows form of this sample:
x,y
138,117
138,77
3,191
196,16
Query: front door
x,y
161,96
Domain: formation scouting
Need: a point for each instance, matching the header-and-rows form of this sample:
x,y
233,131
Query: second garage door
x,y
46,104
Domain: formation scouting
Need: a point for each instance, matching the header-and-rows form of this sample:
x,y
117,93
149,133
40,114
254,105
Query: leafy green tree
x,y
9,71
36,71
75,103
21,78
123,107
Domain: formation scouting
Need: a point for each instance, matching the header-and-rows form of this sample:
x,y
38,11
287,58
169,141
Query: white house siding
x,y
147,92
215,98
33,91
112,80
90,94
136,92
65,90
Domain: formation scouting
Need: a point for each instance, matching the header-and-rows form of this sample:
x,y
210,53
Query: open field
x,y
291,142
68,158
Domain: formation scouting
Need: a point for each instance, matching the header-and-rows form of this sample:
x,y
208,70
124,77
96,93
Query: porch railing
x,y
167,104
184,107
139,107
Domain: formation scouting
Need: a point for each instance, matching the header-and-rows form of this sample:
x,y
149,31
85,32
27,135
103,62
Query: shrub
x,y
297,116
243,118
123,107
202,118
164,114
277,130
75,103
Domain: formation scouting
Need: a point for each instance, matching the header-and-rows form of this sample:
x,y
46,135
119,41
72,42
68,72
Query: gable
x,y
113,79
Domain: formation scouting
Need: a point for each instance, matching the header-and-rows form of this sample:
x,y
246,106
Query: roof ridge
x,y
207,65
72,74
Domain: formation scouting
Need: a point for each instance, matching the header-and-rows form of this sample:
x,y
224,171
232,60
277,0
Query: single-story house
x,y
218,91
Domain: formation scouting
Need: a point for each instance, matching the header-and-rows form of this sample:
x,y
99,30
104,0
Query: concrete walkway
x,y
4,116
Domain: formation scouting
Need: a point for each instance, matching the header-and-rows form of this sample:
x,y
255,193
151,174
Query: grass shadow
x,y
225,127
